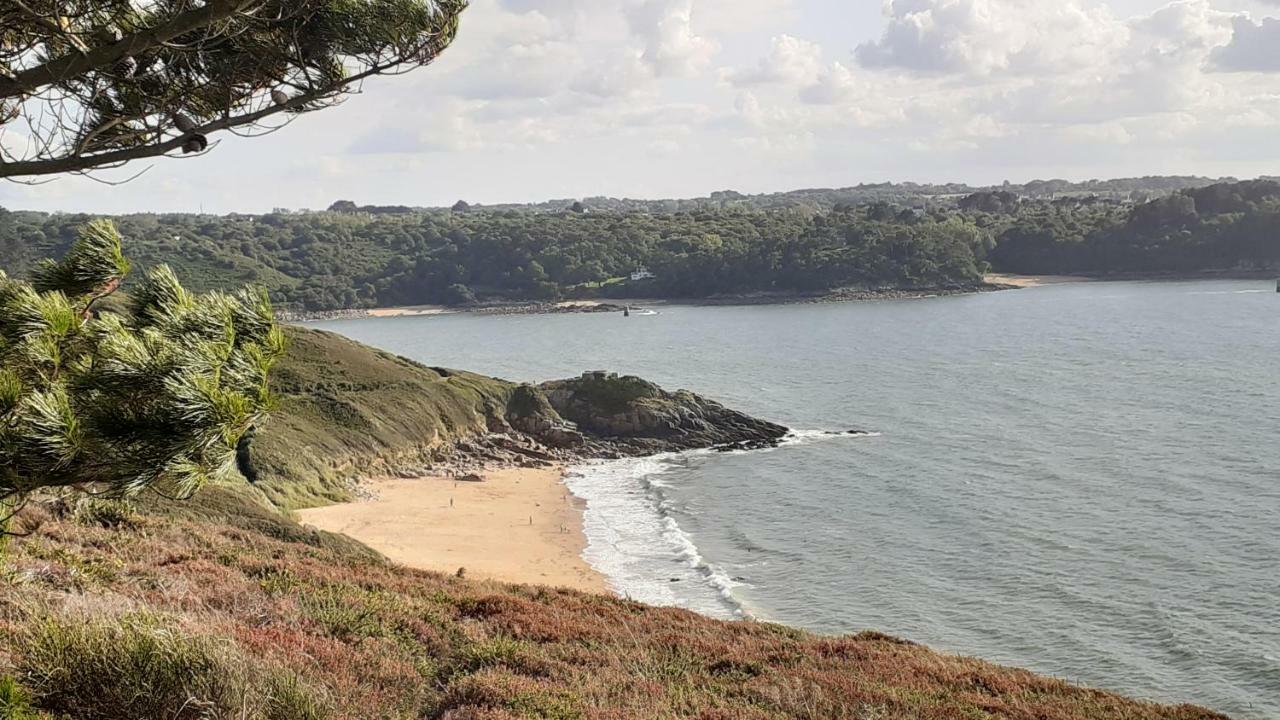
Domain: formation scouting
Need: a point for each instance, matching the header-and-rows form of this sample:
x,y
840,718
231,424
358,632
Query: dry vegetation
x,y
227,610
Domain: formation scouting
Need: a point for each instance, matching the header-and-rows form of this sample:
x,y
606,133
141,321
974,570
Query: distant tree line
x,y
908,194
1229,226
337,260
349,257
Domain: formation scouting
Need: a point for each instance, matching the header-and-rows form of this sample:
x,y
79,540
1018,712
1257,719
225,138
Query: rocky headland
x,y
599,415
348,412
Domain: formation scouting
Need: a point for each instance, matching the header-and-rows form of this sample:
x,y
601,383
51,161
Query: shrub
x,y
138,667
15,703
459,294
106,513
345,615
275,581
132,669
289,699
501,651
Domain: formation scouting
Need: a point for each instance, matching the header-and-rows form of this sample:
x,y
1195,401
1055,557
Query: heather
x,y
235,611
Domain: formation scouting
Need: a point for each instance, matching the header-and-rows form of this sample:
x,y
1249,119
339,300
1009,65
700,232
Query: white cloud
x,y
1159,70
1108,133
833,85
615,77
785,144
1253,47
790,59
520,71
739,16
982,37
671,47
964,76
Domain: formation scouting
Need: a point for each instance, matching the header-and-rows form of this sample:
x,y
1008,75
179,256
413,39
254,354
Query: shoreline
x,y
612,305
516,525
1033,281
994,282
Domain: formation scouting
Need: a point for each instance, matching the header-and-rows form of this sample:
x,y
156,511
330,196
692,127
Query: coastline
x,y
1031,281
517,525
992,282
617,305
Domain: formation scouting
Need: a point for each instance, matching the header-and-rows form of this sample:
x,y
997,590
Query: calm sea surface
x,y
1079,479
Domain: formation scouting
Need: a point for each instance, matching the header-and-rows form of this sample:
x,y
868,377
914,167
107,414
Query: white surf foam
x,y
634,539
805,437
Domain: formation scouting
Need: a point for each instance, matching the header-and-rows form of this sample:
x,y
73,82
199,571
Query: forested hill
x,y
334,260
910,194
352,258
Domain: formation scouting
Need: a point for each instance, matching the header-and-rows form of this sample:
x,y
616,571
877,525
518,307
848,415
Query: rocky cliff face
x,y
529,412
632,416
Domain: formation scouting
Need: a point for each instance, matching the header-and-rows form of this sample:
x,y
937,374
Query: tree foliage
x,y
156,394
356,257
1229,226
331,260
87,84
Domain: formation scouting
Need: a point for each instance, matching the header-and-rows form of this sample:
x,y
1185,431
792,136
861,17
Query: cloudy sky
x,y
547,99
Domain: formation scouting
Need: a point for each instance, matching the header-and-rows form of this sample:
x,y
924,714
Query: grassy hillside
x,y
347,409
229,612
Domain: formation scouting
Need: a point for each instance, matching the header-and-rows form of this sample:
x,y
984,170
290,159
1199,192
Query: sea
x,y
1080,479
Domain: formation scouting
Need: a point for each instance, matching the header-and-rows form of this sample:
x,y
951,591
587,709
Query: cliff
x,y
348,411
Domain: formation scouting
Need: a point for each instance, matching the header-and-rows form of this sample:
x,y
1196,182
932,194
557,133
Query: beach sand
x,y
432,310
411,311
486,529
1027,281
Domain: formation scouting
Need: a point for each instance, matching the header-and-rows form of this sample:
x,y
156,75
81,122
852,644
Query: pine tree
x,y
156,394
92,85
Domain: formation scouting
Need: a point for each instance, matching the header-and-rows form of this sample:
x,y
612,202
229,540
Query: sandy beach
x,y
520,525
1029,281
411,311
431,310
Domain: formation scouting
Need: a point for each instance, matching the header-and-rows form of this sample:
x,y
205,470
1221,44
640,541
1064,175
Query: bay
x,y
1080,479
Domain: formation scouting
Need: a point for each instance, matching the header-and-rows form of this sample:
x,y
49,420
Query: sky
x,y
542,99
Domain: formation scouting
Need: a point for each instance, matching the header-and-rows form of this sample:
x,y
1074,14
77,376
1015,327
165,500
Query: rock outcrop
x,y
633,416
529,412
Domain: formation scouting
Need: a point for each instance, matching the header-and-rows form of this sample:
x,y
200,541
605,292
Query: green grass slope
x,y
347,409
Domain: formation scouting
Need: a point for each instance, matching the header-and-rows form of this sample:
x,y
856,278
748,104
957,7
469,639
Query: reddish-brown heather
x,y
369,640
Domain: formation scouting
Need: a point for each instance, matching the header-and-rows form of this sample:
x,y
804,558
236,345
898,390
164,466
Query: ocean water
x,y
1080,479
